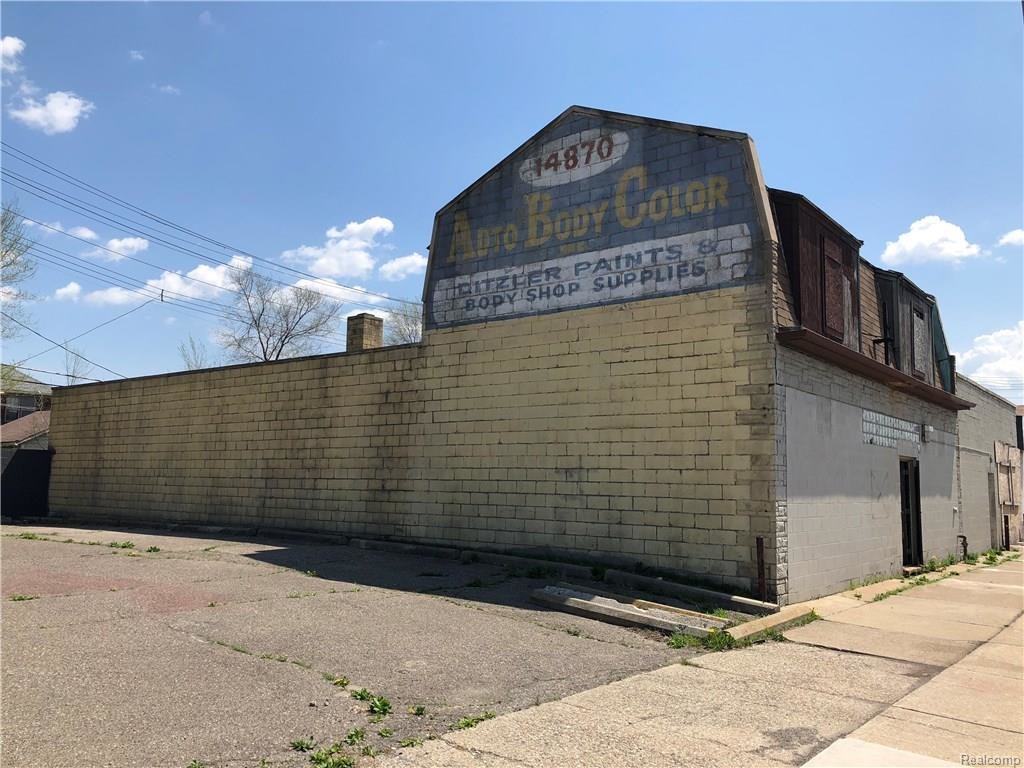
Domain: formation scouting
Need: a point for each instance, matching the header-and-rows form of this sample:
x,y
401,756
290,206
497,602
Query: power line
x,y
183,275
85,333
221,313
68,178
57,343
21,367
61,258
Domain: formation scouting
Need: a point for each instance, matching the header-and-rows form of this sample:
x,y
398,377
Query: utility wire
x,y
86,268
68,178
21,367
57,343
84,333
224,313
182,275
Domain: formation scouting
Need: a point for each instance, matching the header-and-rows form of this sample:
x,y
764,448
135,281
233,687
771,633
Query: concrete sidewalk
x,y
974,709
846,692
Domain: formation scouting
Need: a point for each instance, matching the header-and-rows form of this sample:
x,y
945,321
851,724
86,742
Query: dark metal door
x,y
910,511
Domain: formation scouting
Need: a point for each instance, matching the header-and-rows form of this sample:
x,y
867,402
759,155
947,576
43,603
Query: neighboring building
x,y
988,469
21,394
635,352
24,447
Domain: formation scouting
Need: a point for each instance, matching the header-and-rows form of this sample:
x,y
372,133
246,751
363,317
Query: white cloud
x,y
208,281
113,295
69,292
382,314
136,55
48,228
122,247
347,252
930,239
342,293
403,266
83,232
58,113
1013,237
10,49
170,90
996,361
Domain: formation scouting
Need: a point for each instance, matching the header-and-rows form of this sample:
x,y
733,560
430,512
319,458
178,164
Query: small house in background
x,y
21,394
25,446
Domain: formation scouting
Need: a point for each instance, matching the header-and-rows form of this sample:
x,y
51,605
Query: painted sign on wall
x,y
594,210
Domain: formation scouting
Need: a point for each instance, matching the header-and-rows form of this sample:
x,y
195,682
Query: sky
x,y
324,136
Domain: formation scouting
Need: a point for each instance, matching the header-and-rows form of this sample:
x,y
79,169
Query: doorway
x,y
910,512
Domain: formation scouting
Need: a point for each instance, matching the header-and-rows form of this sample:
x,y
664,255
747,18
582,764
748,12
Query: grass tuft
x,y
22,598
379,705
470,722
302,744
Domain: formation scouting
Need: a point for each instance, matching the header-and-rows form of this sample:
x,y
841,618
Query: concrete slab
x,y
1012,635
994,701
827,606
687,714
971,593
876,642
855,753
996,659
915,604
892,617
944,738
819,669
996,576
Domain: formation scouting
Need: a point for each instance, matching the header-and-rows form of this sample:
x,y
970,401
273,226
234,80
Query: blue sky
x,y
344,127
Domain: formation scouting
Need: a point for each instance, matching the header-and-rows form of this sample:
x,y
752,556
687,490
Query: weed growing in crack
x,y
379,705
419,710
153,549
355,736
410,742
339,680
683,640
470,722
385,733
302,744
361,694
22,598
122,544
331,757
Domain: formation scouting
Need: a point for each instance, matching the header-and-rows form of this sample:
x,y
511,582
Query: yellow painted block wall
x,y
637,432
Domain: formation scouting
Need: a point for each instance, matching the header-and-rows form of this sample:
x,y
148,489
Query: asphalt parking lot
x,y
136,648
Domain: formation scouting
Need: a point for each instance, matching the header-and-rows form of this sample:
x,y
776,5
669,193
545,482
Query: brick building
x,y
634,352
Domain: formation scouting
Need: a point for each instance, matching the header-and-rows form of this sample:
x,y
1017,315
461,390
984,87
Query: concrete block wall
x,y
640,431
991,419
842,495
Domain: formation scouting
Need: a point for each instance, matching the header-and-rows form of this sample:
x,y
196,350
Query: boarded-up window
x,y
834,292
920,343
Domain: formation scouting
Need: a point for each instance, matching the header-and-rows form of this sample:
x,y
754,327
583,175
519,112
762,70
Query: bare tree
x,y
16,266
404,325
76,367
195,354
270,321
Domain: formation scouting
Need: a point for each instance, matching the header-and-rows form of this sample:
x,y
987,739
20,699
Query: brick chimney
x,y
365,331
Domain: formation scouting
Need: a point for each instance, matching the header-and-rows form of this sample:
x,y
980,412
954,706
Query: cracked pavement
x,y
215,648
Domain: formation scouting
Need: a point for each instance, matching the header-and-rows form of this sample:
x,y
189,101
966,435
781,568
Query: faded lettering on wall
x,y
591,212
